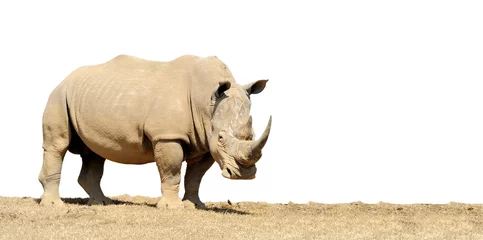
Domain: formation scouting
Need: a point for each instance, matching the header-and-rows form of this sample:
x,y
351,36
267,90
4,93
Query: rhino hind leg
x,y
56,135
194,173
90,177
49,177
169,157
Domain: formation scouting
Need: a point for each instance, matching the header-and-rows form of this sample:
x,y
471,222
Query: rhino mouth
x,y
239,172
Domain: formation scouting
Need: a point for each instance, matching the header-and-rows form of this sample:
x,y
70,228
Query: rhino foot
x,y
51,202
194,204
170,203
99,201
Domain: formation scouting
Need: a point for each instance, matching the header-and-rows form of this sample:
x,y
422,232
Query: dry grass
x,y
137,218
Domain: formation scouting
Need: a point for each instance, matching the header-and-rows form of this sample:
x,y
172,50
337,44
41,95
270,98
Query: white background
x,y
371,100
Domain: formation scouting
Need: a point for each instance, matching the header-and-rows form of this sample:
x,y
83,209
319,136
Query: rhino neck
x,y
201,114
199,136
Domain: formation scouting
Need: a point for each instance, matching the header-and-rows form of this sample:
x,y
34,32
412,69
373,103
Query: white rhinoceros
x,y
134,111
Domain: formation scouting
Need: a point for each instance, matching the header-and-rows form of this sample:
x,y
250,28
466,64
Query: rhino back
x,y
110,105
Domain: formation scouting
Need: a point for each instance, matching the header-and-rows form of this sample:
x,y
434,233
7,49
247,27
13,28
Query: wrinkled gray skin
x,y
135,111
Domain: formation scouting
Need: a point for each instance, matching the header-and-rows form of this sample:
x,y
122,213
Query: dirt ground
x,y
138,218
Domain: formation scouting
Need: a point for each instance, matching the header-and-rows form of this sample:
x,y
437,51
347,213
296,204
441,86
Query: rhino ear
x,y
256,87
222,87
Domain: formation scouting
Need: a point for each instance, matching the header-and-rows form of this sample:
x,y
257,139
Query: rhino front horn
x,y
260,143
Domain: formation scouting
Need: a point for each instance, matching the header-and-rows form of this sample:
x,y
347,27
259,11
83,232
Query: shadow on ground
x,y
227,210
84,201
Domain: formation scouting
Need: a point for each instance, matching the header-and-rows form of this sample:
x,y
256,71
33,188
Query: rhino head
x,y
231,143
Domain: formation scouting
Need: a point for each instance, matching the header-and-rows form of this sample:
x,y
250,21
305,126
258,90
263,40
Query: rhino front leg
x,y
194,173
90,178
169,157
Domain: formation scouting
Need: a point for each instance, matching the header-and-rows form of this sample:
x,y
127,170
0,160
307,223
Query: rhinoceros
x,y
135,111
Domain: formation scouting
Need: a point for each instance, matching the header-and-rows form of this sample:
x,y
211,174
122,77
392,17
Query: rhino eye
x,y
222,137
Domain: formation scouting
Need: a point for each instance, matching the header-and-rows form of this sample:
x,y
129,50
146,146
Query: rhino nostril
x,y
229,171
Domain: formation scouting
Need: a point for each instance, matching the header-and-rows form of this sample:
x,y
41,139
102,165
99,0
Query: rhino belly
x,y
117,142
